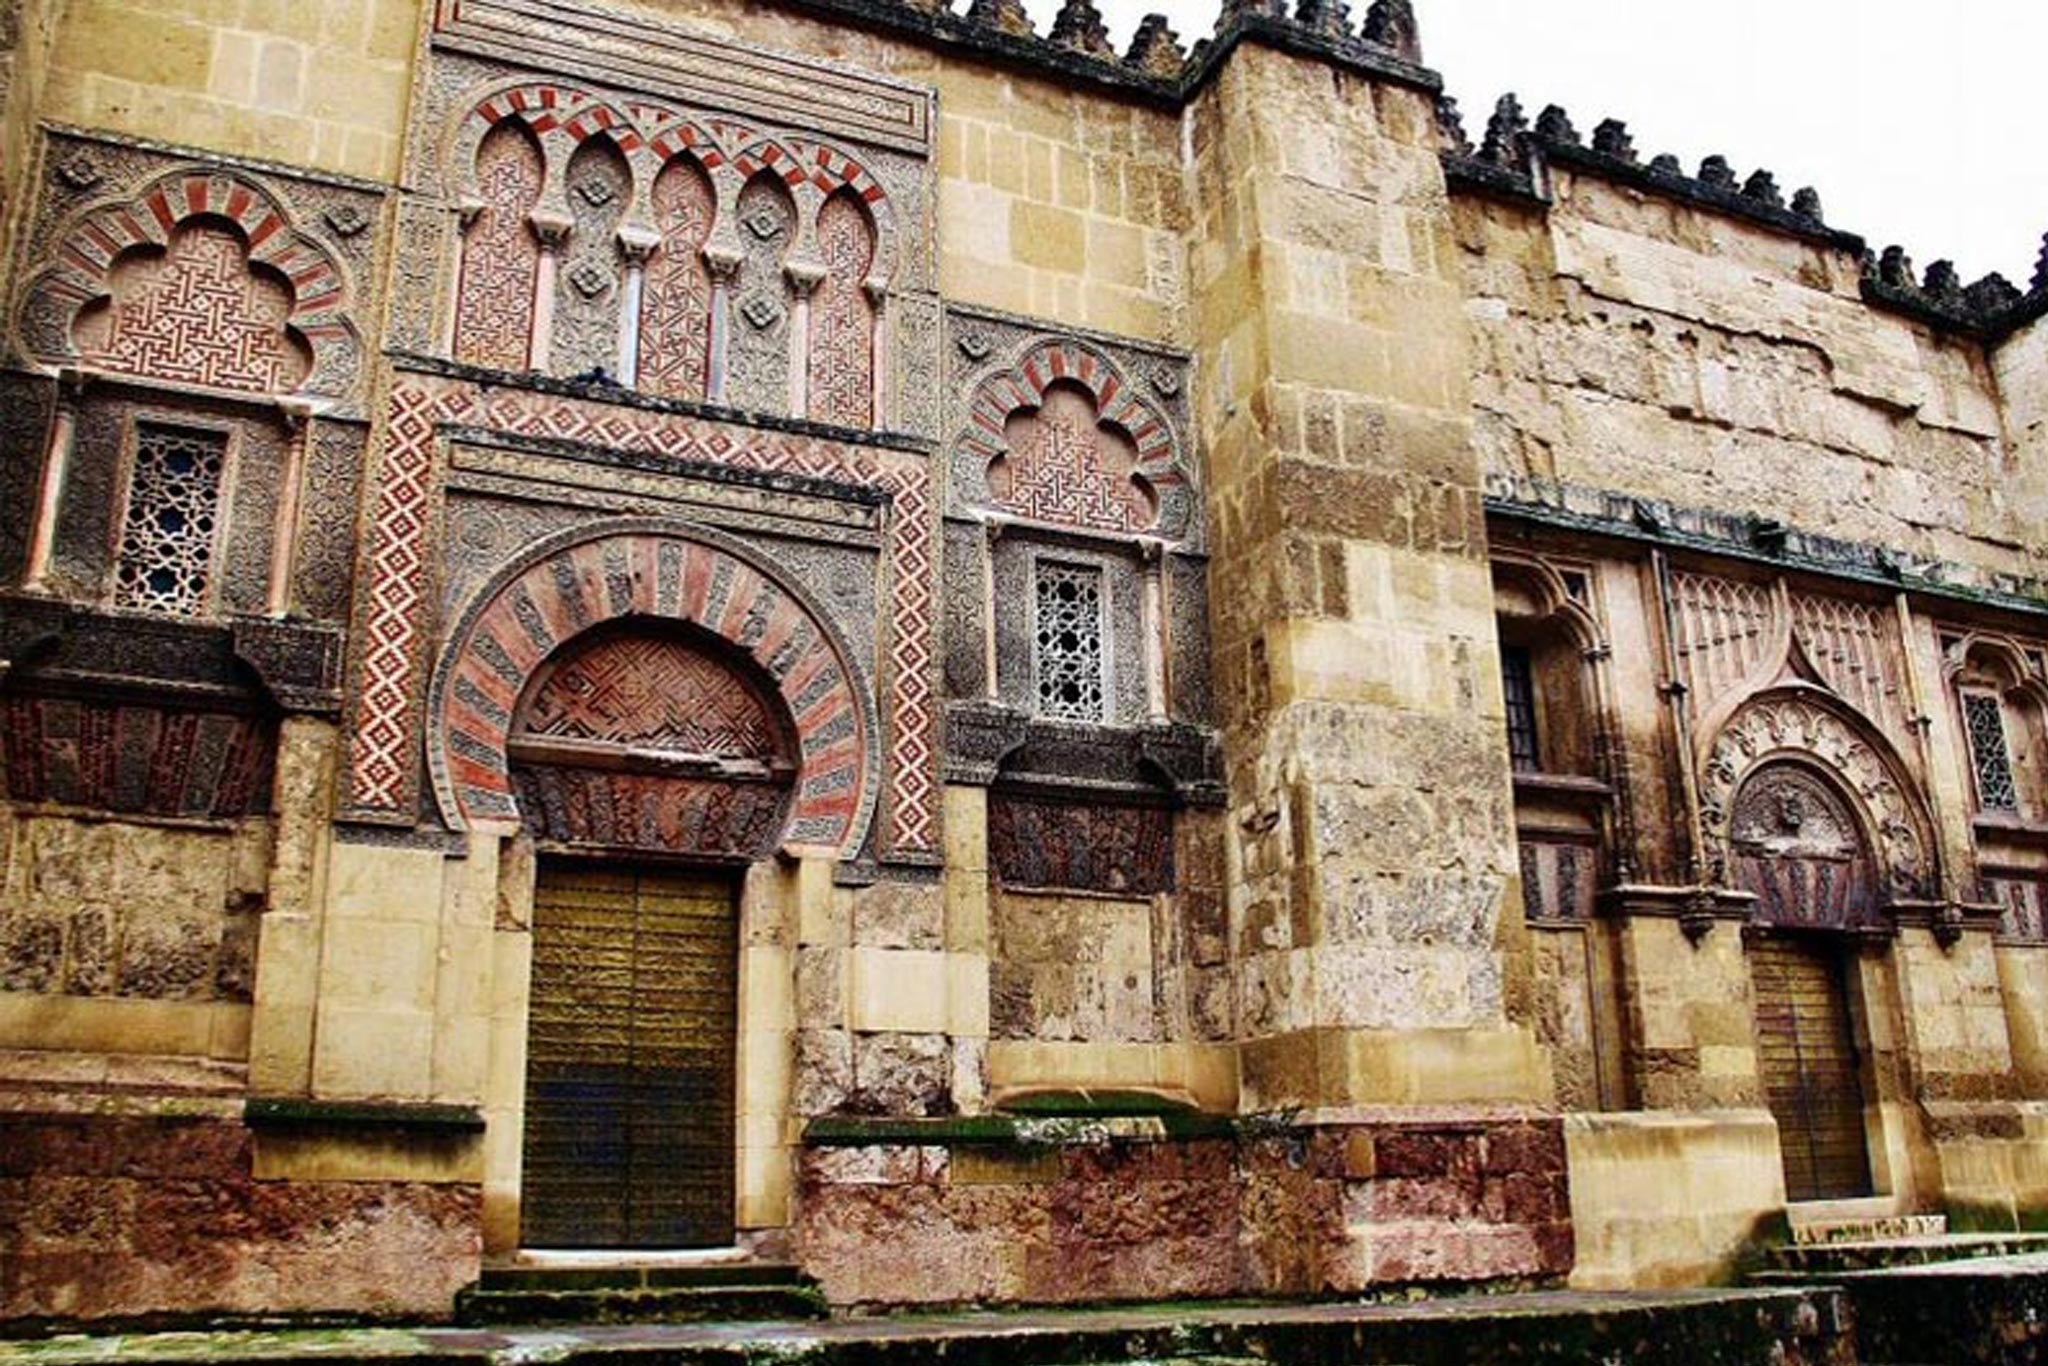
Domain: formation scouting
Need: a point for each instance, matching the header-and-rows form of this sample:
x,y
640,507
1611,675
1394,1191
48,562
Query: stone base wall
x,y
131,1217
1112,1216
1666,1199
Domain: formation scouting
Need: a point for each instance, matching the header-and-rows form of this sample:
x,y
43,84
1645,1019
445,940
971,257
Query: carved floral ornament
x,y
1805,726
1063,438
202,277
650,137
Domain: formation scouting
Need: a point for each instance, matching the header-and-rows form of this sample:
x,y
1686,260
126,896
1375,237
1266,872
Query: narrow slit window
x,y
1067,653
1518,681
1990,752
171,529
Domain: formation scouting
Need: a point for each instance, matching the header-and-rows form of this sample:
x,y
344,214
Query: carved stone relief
x,y
324,566
500,255
675,317
1789,724
590,278
762,301
1800,849
1051,843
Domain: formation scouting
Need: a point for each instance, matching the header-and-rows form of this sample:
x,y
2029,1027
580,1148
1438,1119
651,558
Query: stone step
x,y
739,1292
1665,1328
1798,1262
1981,1311
1816,1232
628,1275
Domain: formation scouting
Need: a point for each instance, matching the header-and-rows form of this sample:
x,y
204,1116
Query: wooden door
x,y
630,1059
1812,1073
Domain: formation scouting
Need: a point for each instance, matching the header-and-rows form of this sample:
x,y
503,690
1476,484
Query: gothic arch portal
x,y
642,578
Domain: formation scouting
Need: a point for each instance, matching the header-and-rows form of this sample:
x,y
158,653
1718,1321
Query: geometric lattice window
x,y
173,519
1518,682
1068,655
1990,755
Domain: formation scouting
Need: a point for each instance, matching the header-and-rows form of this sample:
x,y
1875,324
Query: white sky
x,y
1919,123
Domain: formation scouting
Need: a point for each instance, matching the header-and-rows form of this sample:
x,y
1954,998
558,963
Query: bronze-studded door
x,y
630,1059
1812,1074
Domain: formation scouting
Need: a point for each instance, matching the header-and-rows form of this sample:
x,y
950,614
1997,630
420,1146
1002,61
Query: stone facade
x,y
1253,698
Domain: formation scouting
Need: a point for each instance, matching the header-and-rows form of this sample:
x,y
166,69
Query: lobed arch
x,y
1005,390
562,117
658,571
101,236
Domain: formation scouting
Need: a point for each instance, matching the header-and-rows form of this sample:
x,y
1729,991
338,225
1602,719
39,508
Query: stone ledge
x,y
292,1112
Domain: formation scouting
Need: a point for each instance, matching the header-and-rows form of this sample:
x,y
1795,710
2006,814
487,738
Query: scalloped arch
x,y
98,236
1008,389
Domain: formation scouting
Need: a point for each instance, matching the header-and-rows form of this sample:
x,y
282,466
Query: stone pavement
x,y
1783,1327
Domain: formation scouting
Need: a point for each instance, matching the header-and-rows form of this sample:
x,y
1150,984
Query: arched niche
x,y
1999,694
1549,633
1798,845
1063,438
1798,723
649,575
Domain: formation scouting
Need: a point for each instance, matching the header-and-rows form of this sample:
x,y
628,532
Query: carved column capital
x,y
468,209
638,244
552,229
723,263
804,276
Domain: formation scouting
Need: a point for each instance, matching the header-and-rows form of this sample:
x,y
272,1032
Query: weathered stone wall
x,y
1667,1199
1645,346
1353,624
1123,1215
315,85
110,1215
129,937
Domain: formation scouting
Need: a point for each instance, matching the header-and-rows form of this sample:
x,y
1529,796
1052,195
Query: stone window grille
x,y
1518,682
1067,653
171,528
1990,754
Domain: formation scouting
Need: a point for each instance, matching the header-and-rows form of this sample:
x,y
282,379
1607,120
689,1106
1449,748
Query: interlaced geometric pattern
x,y
173,520
494,307
1063,466
196,315
1068,654
653,693
675,315
1990,755
842,320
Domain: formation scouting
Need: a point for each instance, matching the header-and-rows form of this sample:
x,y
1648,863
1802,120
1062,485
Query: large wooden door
x,y
1806,1043
630,1059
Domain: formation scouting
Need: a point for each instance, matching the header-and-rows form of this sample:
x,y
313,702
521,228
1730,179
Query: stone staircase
x,y
699,1292
1920,1293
